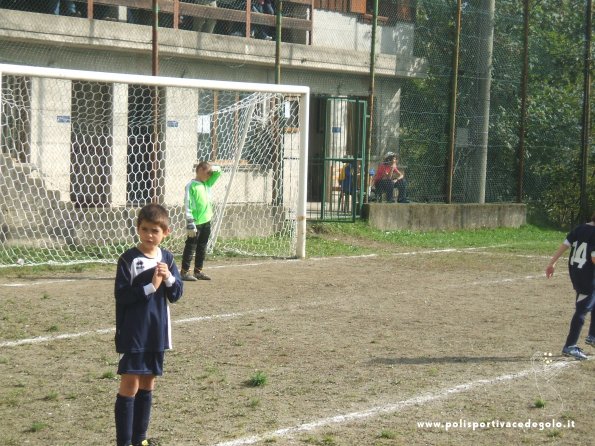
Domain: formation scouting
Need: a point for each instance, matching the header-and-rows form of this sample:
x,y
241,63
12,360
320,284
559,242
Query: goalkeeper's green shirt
x,y
197,198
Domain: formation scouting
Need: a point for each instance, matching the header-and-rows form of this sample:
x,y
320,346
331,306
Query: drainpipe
x,y
371,99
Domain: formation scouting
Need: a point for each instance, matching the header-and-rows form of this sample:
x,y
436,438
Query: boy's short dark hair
x,y
154,213
202,165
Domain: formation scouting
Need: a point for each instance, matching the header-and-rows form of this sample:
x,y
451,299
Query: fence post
x,y
452,121
523,111
371,99
586,118
278,17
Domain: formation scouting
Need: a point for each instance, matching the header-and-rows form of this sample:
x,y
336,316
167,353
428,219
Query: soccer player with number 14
x,y
581,268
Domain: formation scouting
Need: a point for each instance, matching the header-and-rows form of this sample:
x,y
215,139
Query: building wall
x,y
357,36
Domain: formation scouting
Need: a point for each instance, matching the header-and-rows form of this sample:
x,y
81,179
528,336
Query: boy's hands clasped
x,y
161,273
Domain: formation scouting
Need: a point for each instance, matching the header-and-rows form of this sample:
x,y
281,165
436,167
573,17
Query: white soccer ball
x,y
20,262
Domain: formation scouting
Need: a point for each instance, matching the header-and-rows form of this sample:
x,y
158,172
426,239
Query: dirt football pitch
x,y
451,347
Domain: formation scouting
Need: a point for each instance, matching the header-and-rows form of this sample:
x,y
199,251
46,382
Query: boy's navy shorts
x,y
146,363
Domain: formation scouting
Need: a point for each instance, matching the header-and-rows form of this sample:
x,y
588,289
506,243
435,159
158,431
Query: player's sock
x,y
142,415
124,412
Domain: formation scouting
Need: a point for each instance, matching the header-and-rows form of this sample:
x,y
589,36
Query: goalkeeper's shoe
x,y
575,352
590,340
199,275
188,277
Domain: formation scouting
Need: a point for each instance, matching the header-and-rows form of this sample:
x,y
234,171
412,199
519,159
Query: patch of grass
x,y
258,379
433,371
322,247
52,396
37,426
254,402
539,403
554,433
212,374
328,440
388,434
53,328
526,239
108,375
13,399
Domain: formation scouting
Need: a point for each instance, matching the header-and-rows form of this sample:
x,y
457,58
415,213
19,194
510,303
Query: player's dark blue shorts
x,y
146,363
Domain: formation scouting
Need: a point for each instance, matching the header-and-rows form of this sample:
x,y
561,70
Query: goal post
x,y
81,152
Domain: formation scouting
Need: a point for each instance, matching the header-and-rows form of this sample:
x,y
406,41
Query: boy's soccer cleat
x,y
201,276
188,277
590,340
575,352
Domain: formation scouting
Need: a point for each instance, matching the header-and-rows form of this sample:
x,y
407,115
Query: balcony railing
x,y
244,18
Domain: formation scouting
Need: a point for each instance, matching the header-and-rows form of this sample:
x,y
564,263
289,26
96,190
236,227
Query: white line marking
x,y
41,339
512,279
386,409
316,259
225,315
102,331
38,282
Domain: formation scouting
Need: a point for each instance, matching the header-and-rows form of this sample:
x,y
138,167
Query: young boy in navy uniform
x,y
146,279
581,268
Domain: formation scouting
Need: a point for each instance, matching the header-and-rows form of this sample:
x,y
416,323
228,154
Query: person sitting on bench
x,y
388,177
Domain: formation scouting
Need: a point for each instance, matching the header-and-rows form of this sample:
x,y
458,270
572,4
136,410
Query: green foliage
x,y
388,434
555,93
37,426
258,379
539,403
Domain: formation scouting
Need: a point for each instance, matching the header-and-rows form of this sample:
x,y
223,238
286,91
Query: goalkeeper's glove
x,y
190,228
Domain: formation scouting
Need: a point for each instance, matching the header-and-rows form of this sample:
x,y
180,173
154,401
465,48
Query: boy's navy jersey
x,y
580,262
142,314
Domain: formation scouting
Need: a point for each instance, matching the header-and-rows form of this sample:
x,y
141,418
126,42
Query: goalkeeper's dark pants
x,y
197,247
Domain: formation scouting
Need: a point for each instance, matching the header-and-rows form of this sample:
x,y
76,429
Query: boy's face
x,y
151,235
204,173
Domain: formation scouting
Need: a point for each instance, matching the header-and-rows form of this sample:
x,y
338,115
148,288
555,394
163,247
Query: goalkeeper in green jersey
x,y
199,211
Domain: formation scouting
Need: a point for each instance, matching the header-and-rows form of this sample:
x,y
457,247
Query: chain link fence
x,y
413,114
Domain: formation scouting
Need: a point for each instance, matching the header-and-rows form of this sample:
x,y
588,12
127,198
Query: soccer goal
x,y
81,152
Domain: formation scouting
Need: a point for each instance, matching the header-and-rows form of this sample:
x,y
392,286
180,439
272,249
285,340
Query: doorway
x,y
337,148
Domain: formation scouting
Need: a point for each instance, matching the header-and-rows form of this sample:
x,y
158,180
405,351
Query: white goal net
x,y
81,152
